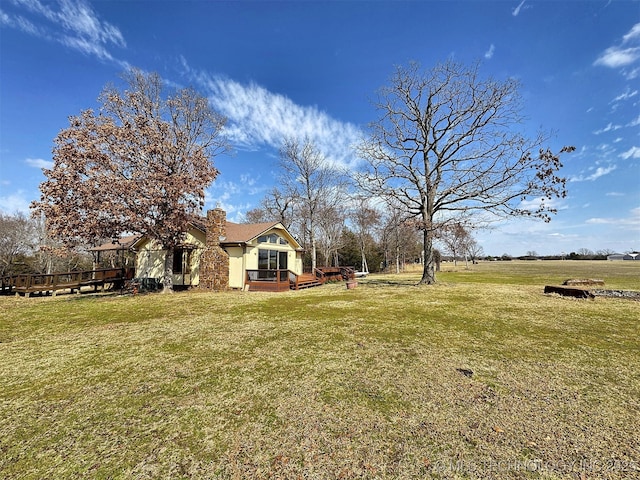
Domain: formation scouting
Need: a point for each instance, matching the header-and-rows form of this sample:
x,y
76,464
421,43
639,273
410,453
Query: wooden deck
x,y
335,274
54,282
306,280
283,280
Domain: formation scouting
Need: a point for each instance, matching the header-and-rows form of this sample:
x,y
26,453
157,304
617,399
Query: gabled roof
x,y
245,232
237,232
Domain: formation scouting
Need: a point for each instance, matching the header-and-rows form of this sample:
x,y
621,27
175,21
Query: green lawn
x,y
328,382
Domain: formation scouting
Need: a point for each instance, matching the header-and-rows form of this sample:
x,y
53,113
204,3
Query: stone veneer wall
x,y
214,261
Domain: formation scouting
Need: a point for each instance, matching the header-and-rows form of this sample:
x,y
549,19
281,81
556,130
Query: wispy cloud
x,y
633,152
630,221
535,203
634,34
516,11
489,53
625,54
594,175
39,163
259,117
72,23
635,122
609,128
615,57
235,197
16,202
625,96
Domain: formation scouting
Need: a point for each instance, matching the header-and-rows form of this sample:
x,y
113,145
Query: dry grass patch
x,y
323,383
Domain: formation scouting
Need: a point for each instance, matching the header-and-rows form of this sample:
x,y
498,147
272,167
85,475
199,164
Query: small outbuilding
x,y
624,256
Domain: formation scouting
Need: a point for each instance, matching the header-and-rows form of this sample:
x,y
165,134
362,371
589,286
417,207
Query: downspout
x,y
244,266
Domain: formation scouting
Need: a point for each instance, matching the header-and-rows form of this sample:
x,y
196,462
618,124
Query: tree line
x,y
25,247
447,153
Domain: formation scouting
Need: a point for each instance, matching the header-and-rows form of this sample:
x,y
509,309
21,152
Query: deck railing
x,y
280,280
42,282
334,274
275,280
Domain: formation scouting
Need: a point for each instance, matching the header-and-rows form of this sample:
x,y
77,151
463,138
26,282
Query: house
x,y
217,254
624,256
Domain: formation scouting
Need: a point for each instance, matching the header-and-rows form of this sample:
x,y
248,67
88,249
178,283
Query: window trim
x,y
273,239
270,259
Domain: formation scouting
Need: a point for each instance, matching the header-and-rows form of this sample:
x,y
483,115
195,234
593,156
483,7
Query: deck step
x,y
306,280
300,286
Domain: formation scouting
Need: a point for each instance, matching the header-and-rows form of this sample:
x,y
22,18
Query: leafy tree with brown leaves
x,y
141,165
448,145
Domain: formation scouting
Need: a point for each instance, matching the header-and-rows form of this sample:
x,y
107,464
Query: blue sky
x,y
278,69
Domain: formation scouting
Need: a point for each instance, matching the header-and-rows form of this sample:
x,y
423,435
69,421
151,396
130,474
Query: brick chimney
x,y
214,261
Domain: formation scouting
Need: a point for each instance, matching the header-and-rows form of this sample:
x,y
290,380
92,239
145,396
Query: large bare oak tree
x,y
141,165
449,144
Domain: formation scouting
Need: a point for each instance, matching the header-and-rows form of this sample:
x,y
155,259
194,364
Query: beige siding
x,y
197,238
295,262
150,260
251,257
236,267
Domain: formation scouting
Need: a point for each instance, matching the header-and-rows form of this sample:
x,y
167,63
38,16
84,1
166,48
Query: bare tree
x,y
330,226
399,237
141,166
456,239
365,219
474,250
257,215
17,239
311,183
585,253
391,237
276,205
447,145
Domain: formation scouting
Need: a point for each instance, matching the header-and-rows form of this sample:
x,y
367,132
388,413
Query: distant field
x,y
480,376
616,274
